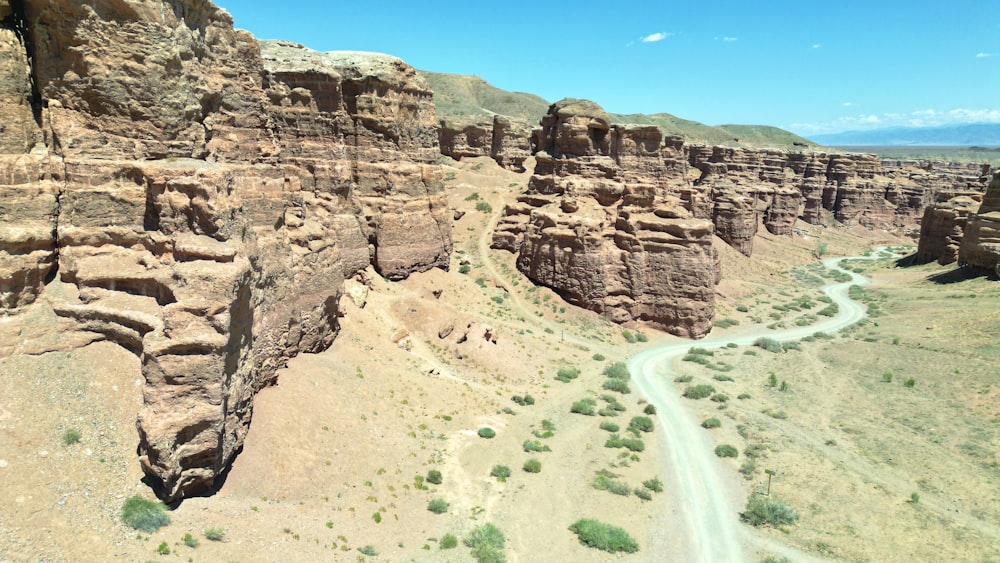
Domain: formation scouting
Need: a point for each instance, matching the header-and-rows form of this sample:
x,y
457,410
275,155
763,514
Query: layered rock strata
x,y
504,139
600,223
943,227
201,204
981,243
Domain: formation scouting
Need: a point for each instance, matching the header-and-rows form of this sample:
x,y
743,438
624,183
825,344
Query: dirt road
x,y
709,494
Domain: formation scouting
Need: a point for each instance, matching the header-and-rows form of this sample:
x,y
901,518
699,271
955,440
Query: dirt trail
x,y
709,495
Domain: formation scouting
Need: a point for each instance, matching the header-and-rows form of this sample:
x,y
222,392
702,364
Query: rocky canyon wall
x,y
165,185
981,241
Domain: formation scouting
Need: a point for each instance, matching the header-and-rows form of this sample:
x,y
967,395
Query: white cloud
x,y
817,45
918,118
847,104
654,37
730,39
984,55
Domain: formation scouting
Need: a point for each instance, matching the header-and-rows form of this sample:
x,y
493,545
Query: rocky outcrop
x,y
504,139
981,243
943,227
601,224
201,203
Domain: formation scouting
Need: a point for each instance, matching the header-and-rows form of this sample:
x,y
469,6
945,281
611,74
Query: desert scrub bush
x,y
726,323
484,207
616,385
766,511
487,543
609,426
642,493
711,423
71,436
791,346
548,429
910,382
214,534
487,432
535,446
642,423
887,377
584,407
163,548
501,472
697,359
437,506
633,444
525,401
748,468
368,550
649,409
719,398
628,336
617,370
641,337
743,308
725,450
721,377
683,379
532,466
448,541
566,375
743,396
769,344
698,391
474,196
599,535
434,477
144,515
190,541
464,269
602,482
654,485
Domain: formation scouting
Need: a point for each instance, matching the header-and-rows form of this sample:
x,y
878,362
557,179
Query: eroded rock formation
x,y
600,223
981,243
201,204
943,227
504,139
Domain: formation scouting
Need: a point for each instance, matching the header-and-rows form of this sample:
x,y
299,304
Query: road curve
x,y
698,478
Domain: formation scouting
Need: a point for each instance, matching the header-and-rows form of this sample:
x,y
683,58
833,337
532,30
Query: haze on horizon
x,y
807,67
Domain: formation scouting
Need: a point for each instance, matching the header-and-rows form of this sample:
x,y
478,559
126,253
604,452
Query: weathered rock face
x,y
201,204
598,225
943,227
981,243
501,138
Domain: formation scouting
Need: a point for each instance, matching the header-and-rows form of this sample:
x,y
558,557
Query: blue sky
x,y
810,67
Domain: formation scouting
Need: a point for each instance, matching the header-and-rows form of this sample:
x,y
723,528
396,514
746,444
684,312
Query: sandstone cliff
x,y
981,243
943,227
504,139
200,203
601,223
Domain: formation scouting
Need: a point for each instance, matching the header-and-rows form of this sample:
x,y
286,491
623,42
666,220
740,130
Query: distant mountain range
x,y
976,134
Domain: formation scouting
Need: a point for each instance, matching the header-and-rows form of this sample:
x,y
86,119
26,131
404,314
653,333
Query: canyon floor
x,y
882,436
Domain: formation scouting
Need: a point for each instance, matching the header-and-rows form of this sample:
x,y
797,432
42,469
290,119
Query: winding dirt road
x,y
710,497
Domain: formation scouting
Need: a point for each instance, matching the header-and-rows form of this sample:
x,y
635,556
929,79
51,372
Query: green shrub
x,y
437,506
650,410
769,344
633,444
214,534
71,436
598,357
602,482
501,472
711,423
434,476
535,446
654,485
617,370
144,515
725,450
721,377
532,466
616,385
743,396
487,432
599,535
567,374
641,337
683,379
190,540
887,377
642,493
464,269
698,391
628,336
368,550
487,543
609,426
910,382
766,511
484,207
743,308
448,541
642,423
474,196
719,398
163,548
584,407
